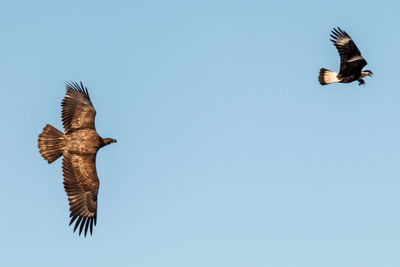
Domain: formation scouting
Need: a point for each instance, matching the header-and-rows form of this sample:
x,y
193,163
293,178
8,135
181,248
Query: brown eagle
x,y
78,146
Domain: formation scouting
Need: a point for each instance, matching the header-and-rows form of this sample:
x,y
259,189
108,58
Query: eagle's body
x,y
351,61
78,146
85,141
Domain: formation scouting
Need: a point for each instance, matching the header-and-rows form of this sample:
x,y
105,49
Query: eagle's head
x,y
107,141
366,73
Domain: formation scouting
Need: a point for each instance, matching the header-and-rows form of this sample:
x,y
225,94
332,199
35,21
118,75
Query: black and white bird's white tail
x,y
327,77
51,143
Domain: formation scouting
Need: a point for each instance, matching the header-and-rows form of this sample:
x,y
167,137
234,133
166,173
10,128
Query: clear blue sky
x,y
229,152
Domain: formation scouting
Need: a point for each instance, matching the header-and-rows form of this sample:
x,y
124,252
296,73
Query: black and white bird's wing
x,y
81,184
351,60
77,109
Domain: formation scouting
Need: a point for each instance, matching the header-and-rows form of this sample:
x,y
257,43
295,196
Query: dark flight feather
x,y
77,108
82,185
351,60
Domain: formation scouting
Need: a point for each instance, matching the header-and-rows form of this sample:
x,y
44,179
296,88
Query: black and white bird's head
x,y
366,73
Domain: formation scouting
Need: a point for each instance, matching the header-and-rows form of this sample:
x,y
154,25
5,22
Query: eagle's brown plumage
x,y
78,146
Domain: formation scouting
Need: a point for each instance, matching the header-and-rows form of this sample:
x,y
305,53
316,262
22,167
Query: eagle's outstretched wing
x,y
77,109
81,184
351,60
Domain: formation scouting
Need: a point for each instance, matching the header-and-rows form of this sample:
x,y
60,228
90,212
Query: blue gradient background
x,y
229,152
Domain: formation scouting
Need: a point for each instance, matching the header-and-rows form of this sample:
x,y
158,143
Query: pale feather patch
x,y
343,41
330,77
355,58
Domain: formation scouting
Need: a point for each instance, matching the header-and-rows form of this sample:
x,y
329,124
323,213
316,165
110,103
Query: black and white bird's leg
x,y
361,82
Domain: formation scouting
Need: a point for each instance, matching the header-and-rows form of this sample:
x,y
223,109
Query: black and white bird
x,y
351,61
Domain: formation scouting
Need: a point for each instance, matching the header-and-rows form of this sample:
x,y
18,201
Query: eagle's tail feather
x,y
327,76
51,143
